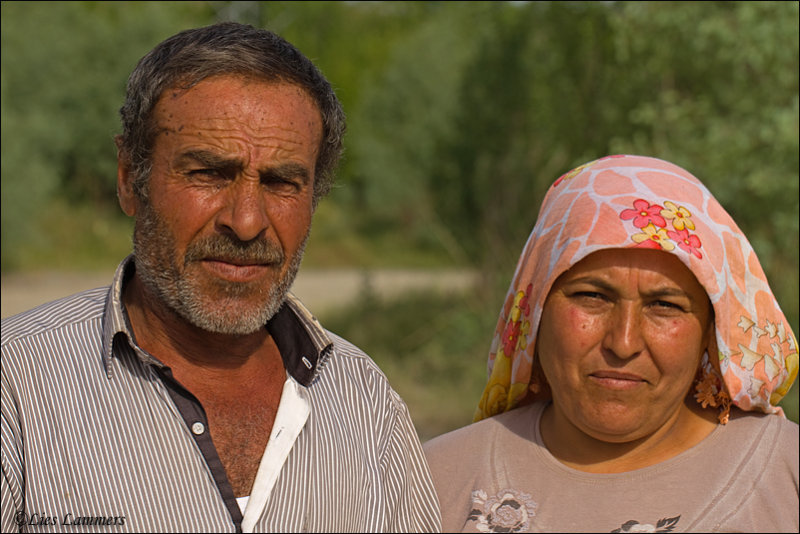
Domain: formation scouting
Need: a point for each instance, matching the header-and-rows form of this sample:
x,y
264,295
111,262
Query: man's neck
x,y
183,346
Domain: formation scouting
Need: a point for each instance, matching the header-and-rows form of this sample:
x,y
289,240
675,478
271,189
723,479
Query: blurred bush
x,y
460,114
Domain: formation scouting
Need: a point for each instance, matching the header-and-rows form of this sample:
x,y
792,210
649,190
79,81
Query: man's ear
x,y
128,200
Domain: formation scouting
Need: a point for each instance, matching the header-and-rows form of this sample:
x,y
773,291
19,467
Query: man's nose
x,y
245,214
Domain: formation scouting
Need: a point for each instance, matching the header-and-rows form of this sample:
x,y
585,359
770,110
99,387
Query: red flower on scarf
x,y
688,242
510,337
643,214
517,324
524,305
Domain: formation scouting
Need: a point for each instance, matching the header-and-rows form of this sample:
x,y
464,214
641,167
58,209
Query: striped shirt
x,y
95,432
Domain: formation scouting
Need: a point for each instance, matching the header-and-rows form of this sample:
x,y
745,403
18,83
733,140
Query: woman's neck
x,y
579,450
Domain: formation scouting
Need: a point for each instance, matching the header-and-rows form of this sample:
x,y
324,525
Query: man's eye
x,y
281,184
204,172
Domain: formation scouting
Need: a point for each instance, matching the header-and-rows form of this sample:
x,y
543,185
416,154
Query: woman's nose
x,y
624,331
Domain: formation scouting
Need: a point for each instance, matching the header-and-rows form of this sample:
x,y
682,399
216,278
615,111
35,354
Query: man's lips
x,y
616,379
235,270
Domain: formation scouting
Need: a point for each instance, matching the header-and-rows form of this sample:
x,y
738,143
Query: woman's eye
x,y
667,305
589,295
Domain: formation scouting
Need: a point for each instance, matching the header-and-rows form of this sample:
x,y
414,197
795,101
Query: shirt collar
x,y
303,343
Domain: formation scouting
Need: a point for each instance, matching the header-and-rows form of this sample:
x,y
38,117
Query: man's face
x,y
229,207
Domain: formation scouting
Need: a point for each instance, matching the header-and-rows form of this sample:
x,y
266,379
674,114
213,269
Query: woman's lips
x,y
616,379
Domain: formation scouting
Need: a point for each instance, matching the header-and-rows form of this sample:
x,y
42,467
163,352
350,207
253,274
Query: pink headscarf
x,y
634,201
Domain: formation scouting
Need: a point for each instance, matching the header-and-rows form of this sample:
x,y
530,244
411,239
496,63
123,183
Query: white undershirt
x,y
293,411
242,502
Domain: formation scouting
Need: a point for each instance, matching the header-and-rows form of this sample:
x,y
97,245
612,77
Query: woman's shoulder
x,y
754,423
761,458
476,438
776,438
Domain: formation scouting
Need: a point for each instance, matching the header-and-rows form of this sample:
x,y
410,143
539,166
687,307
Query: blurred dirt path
x,y
320,289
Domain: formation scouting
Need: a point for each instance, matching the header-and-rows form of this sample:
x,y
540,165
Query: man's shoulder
x,y
349,372
347,354
348,349
54,316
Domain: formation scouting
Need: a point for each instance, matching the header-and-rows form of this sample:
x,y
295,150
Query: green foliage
x,y
460,115
539,87
729,116
431,346
791,404
64,68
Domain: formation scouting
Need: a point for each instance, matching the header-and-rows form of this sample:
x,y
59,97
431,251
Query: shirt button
x,y
198,428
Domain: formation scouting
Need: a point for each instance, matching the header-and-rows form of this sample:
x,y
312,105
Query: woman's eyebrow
x,y
600,283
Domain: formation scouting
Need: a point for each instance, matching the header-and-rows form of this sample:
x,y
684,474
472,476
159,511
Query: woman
x,y
634,372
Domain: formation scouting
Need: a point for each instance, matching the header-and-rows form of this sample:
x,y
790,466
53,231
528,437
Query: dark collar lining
x,y
300,355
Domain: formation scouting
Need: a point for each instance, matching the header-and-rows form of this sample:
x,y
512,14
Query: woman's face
x,y
620,340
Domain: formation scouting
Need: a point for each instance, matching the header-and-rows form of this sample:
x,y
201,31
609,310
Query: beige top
x,y
497,476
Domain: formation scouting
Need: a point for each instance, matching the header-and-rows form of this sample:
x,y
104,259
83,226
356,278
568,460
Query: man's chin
x,y
233,308
236,320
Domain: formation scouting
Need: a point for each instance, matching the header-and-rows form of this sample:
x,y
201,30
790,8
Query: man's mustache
x,y
232,250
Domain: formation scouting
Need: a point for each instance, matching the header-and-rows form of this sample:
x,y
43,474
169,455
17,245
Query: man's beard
x,y
225,309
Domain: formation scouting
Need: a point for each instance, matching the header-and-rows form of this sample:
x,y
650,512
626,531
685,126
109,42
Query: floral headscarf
x,y
633,201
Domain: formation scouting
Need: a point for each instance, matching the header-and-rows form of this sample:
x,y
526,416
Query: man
x,y
196,393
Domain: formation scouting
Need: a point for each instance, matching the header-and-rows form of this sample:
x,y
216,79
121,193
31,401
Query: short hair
x,y
191,56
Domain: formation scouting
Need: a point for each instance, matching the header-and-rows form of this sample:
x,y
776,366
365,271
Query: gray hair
x,y
191,56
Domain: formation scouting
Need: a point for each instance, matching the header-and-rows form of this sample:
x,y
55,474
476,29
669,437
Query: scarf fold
x,y
626,201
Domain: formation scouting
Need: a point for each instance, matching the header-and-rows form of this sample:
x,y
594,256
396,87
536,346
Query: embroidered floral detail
x,y
653,237
771,329
745,323
680,216
570,174
710,392
517,327
643,213
507,511
784,351
663,525
652,220
500,391
689,243
577,170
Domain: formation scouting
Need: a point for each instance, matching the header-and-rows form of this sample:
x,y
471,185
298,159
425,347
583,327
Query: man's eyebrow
x,y
209,159
288,171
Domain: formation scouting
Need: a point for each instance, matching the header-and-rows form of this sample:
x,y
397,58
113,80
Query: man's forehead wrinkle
x,y
274,134
209,157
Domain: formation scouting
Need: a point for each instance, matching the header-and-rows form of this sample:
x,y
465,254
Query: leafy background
x,y
460,114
